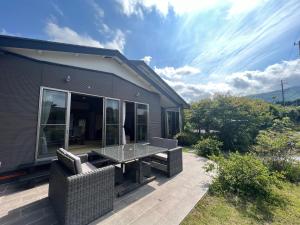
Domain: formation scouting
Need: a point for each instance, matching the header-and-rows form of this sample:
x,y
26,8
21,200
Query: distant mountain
x,y
290,94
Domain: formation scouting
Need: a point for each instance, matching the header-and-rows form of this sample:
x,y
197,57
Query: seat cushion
x,y
162,155
87,167
69,161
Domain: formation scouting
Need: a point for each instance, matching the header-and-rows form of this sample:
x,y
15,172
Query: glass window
x,y
53,122
173,123
112,111
141,122
112,122
53,107
52,137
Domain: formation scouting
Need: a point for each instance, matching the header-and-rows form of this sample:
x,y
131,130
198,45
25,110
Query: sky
x,y
199,47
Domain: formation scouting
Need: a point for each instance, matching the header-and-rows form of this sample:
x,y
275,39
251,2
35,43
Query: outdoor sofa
x,y
79,192
170,162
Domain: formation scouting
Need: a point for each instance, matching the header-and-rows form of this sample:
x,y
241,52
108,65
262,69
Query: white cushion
x,y
75,158
162,155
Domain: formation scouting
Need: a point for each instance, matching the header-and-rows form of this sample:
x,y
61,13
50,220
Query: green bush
x,y
236,120
292,172
186,138
208,146
276,146
289,168
244,176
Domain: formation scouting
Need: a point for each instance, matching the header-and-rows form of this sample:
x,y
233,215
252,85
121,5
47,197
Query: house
x,y
61,95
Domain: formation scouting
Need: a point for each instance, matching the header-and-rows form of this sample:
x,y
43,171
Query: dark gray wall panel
x,y
20,82
104,84
19,95
85,81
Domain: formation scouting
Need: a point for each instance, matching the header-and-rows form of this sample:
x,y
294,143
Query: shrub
x,y
244,176
276,146
236,120
292,172
208,146
186,138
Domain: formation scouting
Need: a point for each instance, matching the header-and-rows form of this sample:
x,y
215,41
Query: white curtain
x,y
46,107
123,123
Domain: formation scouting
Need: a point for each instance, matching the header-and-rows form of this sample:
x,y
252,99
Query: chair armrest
x,y
175,149
174,161
83,158
101,177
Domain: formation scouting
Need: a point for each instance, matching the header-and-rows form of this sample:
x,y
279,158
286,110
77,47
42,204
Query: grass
x,y
215,210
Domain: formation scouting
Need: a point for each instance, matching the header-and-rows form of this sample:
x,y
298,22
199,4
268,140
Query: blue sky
x,y
198,47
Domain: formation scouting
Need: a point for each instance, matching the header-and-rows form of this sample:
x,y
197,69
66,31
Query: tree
x,y
235,120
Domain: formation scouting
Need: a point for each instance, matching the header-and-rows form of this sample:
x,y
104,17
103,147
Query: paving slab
x,y
163,201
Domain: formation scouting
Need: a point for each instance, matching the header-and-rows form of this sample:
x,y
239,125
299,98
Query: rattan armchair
x,y
81,198
170,162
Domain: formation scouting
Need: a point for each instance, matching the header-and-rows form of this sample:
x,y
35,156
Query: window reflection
x,y
53,107
173,123
112,122
141,122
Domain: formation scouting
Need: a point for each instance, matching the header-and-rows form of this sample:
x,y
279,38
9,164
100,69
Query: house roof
x,y
138,66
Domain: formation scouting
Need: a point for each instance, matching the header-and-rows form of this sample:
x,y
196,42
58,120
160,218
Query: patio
x,y
162,201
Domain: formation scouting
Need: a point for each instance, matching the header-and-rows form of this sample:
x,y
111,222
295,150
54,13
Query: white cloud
x,y
5,32
57,9
241,83
176,73
147,59
67,35
241,43
137,7
105,29
118,41
99,12
250,82
240,6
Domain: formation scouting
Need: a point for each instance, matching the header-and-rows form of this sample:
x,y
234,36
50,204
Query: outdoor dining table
x,y
128,153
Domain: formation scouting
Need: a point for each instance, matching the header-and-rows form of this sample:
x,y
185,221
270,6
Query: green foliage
x,y
186,138
294,114
216,210
292,171
208,146
236,120
245,176
276,146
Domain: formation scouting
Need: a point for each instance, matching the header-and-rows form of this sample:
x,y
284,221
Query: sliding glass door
x,y
53,122
112,122
141,122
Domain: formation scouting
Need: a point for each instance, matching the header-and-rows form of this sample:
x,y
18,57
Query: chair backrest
x,y
69,161
164,142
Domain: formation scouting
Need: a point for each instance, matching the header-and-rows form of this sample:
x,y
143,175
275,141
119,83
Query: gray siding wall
x,y
19,98
20,82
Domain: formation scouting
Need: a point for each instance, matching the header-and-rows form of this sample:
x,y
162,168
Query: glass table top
x,y
127,152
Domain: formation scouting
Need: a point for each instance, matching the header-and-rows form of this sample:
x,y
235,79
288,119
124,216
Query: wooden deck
x,y
162,201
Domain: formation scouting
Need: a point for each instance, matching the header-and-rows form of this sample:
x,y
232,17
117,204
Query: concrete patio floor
x,y
163,201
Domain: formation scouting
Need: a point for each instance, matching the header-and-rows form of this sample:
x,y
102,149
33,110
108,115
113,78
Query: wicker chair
x,y
83,197
169,162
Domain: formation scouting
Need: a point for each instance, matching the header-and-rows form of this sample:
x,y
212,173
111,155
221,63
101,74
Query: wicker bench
x,y
82,197
170,162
